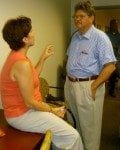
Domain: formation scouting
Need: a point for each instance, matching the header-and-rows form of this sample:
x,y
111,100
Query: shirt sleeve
x,y
105,50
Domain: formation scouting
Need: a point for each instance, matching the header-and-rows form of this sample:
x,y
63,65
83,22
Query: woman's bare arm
x,y
46,53
22,73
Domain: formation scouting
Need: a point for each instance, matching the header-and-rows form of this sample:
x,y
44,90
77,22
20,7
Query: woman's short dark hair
x,y
86,6
15,30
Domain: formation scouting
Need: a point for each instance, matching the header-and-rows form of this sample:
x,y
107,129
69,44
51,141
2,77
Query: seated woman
x,y
21,99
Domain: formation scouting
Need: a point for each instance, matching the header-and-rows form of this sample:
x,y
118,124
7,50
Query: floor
x,y
110,138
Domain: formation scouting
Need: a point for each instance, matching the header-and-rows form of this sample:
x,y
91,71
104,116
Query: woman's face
x,y
31,38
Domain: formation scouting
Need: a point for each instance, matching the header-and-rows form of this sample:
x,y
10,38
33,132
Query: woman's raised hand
x,y
48,51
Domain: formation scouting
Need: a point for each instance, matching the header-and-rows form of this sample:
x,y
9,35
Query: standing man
x,y
90,63
114,36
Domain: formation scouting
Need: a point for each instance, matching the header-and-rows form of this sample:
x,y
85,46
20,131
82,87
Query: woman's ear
x,y
25,40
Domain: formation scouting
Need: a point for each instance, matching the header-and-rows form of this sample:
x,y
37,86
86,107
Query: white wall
x,y
51,22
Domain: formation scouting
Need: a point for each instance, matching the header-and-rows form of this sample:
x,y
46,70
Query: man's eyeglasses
x,y
79,17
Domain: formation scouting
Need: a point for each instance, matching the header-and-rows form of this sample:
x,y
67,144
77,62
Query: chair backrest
x,y
44,88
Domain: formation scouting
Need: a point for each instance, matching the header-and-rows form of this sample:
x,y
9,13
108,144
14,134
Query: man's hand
x,y
93,90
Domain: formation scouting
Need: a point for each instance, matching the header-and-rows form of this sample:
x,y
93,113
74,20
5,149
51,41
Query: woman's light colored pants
x,y
65,137
88,112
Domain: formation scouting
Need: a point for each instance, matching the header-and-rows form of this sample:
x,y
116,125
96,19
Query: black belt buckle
x,y
84,79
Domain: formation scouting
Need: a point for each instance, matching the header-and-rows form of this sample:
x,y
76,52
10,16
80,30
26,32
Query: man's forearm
x,y
104,75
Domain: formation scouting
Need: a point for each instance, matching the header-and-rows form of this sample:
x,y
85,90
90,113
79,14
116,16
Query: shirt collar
x,y
87,34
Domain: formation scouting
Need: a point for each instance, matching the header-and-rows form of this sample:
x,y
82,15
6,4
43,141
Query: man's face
x,y
114,26
82,20
31,38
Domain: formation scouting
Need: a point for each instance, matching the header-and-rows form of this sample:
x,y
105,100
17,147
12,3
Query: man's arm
x,y
103,76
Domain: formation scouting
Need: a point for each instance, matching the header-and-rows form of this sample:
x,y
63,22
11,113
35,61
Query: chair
x,y
55,101
44,89
46,144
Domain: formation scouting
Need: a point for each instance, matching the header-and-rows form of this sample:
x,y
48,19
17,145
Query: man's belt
x,y
82,79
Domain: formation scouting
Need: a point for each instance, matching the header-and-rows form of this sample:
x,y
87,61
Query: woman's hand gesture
x,y
48,51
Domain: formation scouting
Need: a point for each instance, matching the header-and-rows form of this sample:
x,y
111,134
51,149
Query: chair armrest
x,y
46,144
